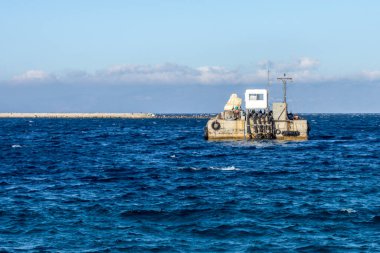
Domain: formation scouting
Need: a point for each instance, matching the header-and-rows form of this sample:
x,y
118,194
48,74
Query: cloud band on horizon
x,y
303,70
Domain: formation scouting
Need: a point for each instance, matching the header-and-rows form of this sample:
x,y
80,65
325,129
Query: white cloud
x,y
168,74
303,70
161,73
33,75
373,75
301,64
217,75
307,63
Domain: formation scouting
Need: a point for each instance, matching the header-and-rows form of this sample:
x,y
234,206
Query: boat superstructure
x,y
258,120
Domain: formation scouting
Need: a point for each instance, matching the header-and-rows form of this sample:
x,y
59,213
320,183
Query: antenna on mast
x,y
284,80
268,74
268,84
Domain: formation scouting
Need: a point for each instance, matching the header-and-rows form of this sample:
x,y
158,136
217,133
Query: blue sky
x,y
127,55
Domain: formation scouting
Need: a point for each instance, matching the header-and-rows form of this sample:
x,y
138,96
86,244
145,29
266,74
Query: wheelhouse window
x,y
256,96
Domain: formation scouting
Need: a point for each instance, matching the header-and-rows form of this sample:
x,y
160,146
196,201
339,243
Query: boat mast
x,y
284,80
268,84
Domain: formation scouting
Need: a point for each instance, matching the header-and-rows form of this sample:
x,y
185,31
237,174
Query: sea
x,y
155,185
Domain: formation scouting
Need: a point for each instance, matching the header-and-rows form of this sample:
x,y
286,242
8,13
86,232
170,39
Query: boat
x,y
258,121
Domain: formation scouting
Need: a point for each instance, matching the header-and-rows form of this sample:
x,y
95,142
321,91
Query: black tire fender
x,y
278,131
215,125
205,133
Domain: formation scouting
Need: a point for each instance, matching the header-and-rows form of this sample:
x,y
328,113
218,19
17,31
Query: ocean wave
x,y
162,213
212,196
376,219
227,168
348,210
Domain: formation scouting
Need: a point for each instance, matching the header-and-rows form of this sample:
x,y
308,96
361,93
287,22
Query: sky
x,y
174,56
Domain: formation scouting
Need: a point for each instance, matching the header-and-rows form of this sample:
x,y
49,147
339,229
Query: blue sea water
x,y
109,185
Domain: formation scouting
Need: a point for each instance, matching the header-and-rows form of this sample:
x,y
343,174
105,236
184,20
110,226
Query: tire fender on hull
x,y
215,125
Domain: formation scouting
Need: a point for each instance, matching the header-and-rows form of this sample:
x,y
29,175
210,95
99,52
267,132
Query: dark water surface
x,y
106,185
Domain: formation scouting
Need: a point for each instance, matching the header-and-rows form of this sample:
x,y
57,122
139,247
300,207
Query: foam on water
x,y
224,168
348,210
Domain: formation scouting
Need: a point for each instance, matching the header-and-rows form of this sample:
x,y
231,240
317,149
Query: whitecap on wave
x,y
348,210
225,168
16,146
229,168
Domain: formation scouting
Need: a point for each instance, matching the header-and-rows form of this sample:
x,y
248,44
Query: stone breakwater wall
x,y
107,115
78,115
185,116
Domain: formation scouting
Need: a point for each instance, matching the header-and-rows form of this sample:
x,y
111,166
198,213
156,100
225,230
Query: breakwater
x,y
105,115
78,115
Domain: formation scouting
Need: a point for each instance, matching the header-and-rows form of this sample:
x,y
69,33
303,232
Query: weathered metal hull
x,y
229,129
235,130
